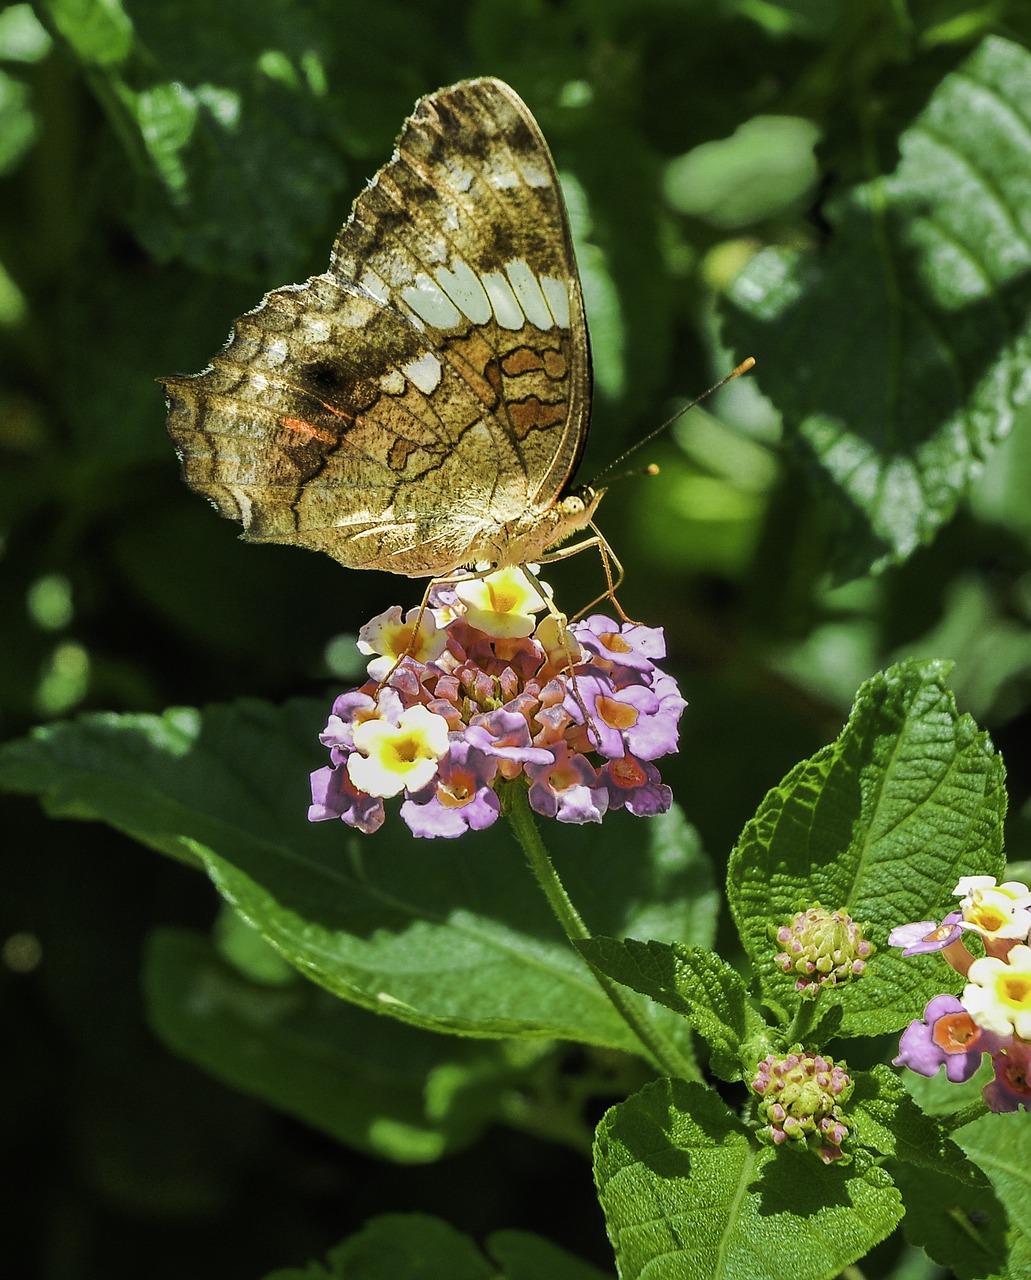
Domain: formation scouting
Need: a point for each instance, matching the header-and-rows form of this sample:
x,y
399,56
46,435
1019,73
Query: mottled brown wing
x,y
430,392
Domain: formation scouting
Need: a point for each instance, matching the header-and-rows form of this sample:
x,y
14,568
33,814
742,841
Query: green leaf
x,y
247,952
236,168
888,1121
370,1082
694,983
1001,1146
959,1224
524,1256
414,1246
762,171
22,37
882,822
926,281
688,1196
399,1246
447,935
99,31
17,123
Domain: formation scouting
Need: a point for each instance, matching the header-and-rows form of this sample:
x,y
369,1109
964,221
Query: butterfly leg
x,y
609,560
565,645
415,628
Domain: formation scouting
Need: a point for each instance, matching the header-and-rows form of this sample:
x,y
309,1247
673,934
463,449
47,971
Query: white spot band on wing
x,y
506,309
529,294
424,372
393,382
430,304
372,283
557,294
464,289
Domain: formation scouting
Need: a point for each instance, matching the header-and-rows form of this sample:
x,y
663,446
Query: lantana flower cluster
x,y
993,1015
802,1098
473,692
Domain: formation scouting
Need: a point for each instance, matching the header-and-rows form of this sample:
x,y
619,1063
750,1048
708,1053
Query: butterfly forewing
x,y
423,403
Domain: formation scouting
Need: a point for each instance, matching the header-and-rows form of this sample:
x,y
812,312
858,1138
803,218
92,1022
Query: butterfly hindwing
x,y
413,406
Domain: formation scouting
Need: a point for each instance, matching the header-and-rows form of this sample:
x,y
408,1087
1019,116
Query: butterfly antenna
x,y
743,367
652,469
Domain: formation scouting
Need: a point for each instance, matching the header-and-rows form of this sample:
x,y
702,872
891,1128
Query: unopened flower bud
x,y
823,947
801,1098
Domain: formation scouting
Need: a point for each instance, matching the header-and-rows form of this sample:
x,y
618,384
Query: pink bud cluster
x,y
823,948
802,1094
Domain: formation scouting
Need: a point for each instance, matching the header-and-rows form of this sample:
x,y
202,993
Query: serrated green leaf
x,y
888,1121
449,936
883,822
938,1096
366,1081
694,983
897,355
687,1195
960,1225
1001,1146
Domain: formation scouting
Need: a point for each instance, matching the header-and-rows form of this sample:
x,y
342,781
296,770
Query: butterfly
x,y
423,404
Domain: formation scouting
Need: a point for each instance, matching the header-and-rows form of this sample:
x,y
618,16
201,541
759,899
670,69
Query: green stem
x,y
663,1052
957,1119
802,1022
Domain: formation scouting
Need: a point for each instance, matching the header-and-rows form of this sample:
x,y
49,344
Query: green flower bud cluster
x,y
822,947
801,1097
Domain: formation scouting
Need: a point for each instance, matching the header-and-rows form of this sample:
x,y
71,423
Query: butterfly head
x,y
576,508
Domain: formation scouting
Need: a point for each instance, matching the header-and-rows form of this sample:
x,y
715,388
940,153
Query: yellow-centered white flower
x,y
995,910
502,604
998,993
397,756
393,637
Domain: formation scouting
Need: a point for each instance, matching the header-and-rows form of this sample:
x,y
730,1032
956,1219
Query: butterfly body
x,y
423,404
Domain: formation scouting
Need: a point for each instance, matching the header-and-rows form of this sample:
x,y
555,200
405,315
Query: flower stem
x,y
661,1050
801,1022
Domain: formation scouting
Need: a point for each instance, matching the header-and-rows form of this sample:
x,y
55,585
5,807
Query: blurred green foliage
x,y
837,187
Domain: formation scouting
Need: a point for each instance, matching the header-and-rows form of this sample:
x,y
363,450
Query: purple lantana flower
x,y
1010,1088
459,799
567,787
452,713
947,1036
925,935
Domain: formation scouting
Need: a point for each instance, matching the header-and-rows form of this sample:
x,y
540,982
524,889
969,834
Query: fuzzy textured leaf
x,y
889,1121
448,936
1001,1146
882,822
928,275
687,1195
694,983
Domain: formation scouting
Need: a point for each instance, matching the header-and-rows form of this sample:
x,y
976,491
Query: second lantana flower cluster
x,y
473,691
993,1014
